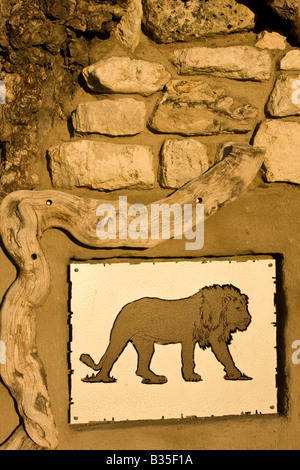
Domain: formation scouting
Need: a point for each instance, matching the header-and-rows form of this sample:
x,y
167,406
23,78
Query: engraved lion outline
x,y
208,318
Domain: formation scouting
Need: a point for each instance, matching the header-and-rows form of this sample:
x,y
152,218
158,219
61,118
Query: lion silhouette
x,y
208,318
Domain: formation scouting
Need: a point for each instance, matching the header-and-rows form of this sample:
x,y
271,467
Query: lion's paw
x,y
237,377
99,379
155,380
193,377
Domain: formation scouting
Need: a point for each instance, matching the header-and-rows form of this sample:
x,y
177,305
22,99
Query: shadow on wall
x,y
268,19
280,302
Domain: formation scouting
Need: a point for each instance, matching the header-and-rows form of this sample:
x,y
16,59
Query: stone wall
x,y
136,98
184,105
197,77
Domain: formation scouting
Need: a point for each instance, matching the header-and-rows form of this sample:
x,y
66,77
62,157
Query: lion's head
x,y
236,312
222,308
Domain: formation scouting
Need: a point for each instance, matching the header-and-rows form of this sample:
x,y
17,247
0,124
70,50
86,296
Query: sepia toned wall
x,y
44,48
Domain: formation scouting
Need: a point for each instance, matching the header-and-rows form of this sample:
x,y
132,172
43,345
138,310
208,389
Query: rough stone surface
x,y
282,142
128,31
236,62
291,61
78,52
58,10
194,108
169,21
30,28
181,161
92,16
289,12
282,101
5,8
101,166
287,9
18,129
273,40
41,57
111,117
126,75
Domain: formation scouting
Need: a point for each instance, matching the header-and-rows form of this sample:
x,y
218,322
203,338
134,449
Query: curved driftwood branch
x,y
24,216
19,441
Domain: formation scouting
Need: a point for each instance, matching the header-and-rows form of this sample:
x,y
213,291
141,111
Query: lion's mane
x,y
213,312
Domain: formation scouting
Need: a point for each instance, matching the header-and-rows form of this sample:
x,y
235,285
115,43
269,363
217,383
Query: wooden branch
x,y
19,441
24,216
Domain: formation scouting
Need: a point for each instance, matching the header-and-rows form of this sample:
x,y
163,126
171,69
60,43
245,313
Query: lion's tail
x,y
88,361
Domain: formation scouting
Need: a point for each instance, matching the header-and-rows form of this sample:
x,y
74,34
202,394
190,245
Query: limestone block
x,y
235,62
110,117
102,166
191,91
169,21
271,41
284,99
128,31
282,142
126,75
182,161
291,61
194,108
